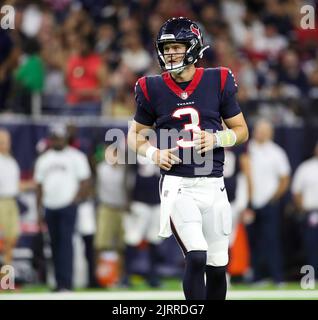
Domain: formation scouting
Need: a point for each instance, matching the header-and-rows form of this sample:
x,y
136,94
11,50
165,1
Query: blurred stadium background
x,y
275,63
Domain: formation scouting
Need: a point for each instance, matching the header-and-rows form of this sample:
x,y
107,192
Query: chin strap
x,y
177,71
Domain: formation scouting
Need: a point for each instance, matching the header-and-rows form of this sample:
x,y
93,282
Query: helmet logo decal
x,y
195,30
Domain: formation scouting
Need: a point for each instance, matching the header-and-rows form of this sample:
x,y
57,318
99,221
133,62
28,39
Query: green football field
x,y
170,290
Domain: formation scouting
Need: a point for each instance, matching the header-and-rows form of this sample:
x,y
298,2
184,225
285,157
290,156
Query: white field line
x,y
161,295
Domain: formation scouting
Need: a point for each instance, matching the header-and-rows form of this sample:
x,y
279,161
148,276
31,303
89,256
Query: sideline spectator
x,y
269,172
142,223
9,189
112,198
86,79
305,191
29,77
62,174
8,60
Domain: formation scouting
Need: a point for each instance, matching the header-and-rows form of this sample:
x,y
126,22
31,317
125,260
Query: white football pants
x,y
142,223
200,215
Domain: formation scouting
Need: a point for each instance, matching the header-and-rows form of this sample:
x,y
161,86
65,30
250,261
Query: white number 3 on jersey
x,y
193,125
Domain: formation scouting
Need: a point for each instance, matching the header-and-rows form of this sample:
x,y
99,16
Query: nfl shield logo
x,y
184,95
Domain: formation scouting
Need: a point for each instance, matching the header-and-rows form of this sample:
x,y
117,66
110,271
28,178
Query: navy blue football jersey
x,y
146,187
209,97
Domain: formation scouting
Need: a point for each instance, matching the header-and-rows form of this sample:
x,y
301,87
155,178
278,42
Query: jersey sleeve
x,y
283,166
82,166
38,171
297,183
229,105
144,113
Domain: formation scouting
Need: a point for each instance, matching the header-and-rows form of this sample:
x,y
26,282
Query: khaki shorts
x,y
109,233
9,219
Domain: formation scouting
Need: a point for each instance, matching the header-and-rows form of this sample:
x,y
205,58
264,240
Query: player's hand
x,y
203,140
41,223
165,159
248,216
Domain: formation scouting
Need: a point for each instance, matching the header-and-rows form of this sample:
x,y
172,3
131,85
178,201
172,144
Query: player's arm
x,y
235,134
239,127
83,192
298,200
39,179
138,142
282,188
39,207
297,188
231,114
236,131
245,167
139,130
83,172
283,169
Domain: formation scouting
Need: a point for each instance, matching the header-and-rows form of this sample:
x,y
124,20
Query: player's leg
x,y
135,224
310,240
154,242
105,228
8,247
88,240
216,229
10,226
255,239
86,226
271,232
52,218
119,243
186,224
65,248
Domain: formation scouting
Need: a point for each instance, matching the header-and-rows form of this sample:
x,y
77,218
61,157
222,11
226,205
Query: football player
x,y
192,101
143,221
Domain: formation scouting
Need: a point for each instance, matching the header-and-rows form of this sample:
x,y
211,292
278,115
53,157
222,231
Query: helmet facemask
x,y
164,58
180,30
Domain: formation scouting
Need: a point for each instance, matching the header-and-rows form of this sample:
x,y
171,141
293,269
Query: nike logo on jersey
x,y
222,189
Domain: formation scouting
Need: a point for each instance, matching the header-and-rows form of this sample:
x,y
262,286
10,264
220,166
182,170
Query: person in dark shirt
x,y
190,103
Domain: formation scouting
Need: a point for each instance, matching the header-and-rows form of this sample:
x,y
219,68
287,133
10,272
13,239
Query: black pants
x,y
5,87
265,243
310,238
61,224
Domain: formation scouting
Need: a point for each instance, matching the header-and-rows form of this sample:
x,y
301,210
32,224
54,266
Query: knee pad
x,y
196,259
218,259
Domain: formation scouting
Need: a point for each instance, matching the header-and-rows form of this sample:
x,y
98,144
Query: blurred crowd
x,y
84,56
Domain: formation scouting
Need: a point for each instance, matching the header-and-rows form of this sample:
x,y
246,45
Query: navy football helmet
x,y
180,30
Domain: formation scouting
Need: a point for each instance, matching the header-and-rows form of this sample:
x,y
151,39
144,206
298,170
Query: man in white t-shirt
x,y
305,192
269,179
9,189
112,196
62,175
